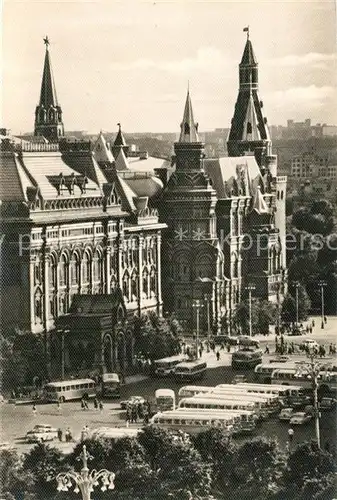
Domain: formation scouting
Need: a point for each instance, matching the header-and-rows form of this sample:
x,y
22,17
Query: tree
x,y
307,462
264,313
43,463
15,482
318,219
288,311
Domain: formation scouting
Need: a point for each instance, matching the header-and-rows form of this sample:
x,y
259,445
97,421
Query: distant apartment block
x,y
307,166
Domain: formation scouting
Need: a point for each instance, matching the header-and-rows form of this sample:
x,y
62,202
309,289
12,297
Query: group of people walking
x,y
68,435
98,405
138,412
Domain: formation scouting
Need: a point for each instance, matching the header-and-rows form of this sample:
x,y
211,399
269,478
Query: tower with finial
x,y
48,113
191,258
249,129
120,143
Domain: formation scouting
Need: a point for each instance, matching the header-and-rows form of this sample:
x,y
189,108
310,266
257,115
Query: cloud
x,y
310,96
313,59
207,59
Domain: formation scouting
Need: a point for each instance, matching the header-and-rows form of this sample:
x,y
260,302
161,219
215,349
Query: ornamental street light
x,y
296,285
85,480
197,304
63,331
207,300
250,289
322,284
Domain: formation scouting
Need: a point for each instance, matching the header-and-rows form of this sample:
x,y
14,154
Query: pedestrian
x,y
267,349
134,414
325,319
290,434
82,404
34,410
310,329
70,436
84,434
59,406
59,434
313,323
86,407
127,416
217,355
95,404
101,406
200,352
146,418
228,347
66,435
140,411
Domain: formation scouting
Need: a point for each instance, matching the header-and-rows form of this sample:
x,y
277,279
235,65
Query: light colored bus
x,y
165,367
188,391
165,399
263,371
200,403
114,432
327,381
66,390
190,370
263,405
248,418
195,422
246,358
284,392
272,401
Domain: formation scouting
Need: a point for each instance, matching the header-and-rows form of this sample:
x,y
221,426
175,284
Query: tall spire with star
x,y
48,113
249,129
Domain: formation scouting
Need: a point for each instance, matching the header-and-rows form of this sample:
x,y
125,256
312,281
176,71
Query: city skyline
x,y
142,84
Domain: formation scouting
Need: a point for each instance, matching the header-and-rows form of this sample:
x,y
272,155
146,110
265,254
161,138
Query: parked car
x,y
41,433
279,359
238,379
297,331
286,414
225,339
327,404
300,418
6,447
312,344
310,410
132,401
248,341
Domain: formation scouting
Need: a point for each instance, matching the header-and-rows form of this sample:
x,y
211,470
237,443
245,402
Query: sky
x,y
130,61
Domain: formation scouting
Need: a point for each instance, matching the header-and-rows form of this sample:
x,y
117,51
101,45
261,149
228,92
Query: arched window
x,y
134,286
113,282
145,283
186,128
86,268
64,270
249,128
97,267
37,272
38,306
182,269
203,266
75,269
52,272
153,282
126,286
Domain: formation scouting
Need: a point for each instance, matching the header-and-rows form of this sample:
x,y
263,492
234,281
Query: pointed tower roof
x,y
102,150
248,56
121,161
48,95
189,129
250,125
119,141
259,205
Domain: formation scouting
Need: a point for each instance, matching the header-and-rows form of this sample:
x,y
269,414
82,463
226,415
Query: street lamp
x,y
250,288
197,304
207,300
63,331
85,481
322,284
296,285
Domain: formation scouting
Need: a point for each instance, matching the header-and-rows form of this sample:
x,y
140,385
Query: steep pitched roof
x,y
119,141
121,161
189,129
250,125
102,150
259,205
48,95
13,179
248,56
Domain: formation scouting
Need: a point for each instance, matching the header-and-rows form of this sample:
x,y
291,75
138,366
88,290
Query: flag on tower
x,y
246,29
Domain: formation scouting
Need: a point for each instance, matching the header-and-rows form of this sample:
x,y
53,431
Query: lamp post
x,y
250,288
207,300
197,304
85,480
63,331
322,284
296,285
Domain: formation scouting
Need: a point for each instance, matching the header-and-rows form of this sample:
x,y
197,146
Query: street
x,y
17,420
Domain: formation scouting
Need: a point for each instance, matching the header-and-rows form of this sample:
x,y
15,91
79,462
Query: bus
x,y
190,370
216,404
246,358
263,405
188,391
263,371
283,392
111,386
165,367
272,400
327,381
165,399
114,432
66,390
247,418
196,421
